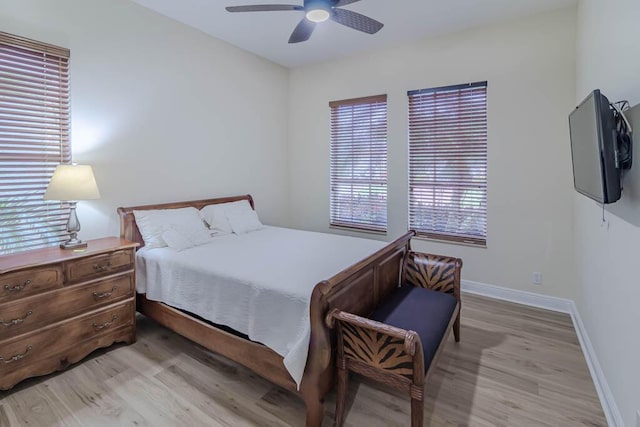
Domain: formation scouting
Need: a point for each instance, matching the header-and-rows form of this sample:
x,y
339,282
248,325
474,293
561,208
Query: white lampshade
x,y
72,182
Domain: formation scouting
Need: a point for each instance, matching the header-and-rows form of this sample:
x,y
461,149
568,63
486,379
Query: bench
x,y
399,343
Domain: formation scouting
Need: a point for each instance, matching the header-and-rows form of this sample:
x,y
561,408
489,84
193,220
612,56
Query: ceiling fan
x,y
317,11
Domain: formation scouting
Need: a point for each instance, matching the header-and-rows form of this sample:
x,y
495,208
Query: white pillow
x,y
153,223
242,218
216,218
176,241
180,238
244,222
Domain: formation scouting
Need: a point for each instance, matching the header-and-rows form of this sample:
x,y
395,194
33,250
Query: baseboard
x,y
562,305
614,418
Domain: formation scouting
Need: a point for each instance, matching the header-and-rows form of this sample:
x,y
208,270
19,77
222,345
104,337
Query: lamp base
x,y
73,226
73,244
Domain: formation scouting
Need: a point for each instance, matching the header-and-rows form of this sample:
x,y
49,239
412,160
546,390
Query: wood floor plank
x,y
284,405
203,389
83,390
40,407
6,418
516,366
158,405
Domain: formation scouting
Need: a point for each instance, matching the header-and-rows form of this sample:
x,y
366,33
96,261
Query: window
x,y
359,163
34,139
448,163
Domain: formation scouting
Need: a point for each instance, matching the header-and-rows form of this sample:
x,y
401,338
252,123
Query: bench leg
x,y
456,328
417,412
341,395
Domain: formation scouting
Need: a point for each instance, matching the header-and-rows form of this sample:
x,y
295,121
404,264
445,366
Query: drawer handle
x,y
101,295
15,322
16,357
101,268
17,288
105,325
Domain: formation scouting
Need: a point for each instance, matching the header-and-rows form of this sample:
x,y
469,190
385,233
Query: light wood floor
x,y
515,366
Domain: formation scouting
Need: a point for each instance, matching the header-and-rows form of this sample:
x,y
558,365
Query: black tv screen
x,y
593,149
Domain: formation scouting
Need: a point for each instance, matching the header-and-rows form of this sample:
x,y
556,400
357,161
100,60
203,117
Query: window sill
x,y
451,242
358,230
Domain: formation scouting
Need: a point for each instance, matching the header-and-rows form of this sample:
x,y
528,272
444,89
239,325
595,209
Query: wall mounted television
x,y
600,148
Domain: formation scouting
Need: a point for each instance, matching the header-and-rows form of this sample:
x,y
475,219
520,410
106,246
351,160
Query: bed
x,y
355,287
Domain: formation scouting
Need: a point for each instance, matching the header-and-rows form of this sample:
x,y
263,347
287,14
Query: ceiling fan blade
x,y
344,2
356,21
263,8
303,31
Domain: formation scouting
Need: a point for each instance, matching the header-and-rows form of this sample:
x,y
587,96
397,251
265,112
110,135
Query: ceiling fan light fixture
x,y
318,14
316,11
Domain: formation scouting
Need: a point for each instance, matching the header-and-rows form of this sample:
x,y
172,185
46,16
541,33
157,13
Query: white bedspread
x,y
259,283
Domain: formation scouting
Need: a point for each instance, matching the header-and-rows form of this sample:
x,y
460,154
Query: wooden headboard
x,y
129,228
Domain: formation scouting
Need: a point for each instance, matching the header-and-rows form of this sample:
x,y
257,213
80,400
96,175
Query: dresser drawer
x,y
27,314
98,265
21,284
29,348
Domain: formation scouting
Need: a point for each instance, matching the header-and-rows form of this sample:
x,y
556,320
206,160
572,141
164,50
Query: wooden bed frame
x,y
357,289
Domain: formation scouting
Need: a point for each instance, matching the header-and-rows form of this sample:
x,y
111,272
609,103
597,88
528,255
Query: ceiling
x,y
266,33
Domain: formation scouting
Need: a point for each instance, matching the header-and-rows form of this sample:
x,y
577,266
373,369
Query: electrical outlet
x,y
536,278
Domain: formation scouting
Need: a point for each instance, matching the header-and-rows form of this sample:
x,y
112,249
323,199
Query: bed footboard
x,y
357,290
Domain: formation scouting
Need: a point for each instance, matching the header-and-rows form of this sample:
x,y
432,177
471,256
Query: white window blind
x,y
34,139
359,163
448,163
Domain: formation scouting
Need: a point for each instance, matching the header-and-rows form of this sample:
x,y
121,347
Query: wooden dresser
x,y
57,306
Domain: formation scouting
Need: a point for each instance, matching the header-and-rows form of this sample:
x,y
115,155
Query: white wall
x,y
608,257
162,111
530,68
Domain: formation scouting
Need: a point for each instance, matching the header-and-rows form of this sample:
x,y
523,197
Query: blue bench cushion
x,y
421,310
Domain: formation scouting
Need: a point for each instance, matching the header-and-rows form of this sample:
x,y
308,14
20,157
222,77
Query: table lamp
x,y
71,183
